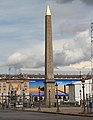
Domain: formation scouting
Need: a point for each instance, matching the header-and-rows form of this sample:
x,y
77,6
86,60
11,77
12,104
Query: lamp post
x,y
8,99
87,101
49,99
5,101
80,99
23,98
15,100
57,97
39,109
2,101
84,102
30,100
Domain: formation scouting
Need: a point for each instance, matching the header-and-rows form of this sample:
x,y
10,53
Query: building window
x,y
25,84
4,84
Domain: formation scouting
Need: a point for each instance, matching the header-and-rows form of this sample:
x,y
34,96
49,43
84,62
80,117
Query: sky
x,y
22,34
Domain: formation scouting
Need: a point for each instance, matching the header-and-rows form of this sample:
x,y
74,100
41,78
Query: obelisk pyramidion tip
x,y
48,12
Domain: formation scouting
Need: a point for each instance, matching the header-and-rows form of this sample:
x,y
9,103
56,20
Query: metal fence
x,y
89,103
12,100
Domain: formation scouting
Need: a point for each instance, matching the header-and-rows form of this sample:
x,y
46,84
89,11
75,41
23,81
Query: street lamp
x,y
49,99
57,97
2,101
80,99
84,102
23,98
39,109
5,100
30,100
8,99
15,100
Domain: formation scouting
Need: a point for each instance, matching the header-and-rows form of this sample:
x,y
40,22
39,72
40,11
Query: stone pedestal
x,y
71,93
50,85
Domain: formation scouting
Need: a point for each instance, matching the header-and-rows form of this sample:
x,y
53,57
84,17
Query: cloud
x,y
84,64
69,28
22,32
16,58
74,51
87,2
67,52
20,25
32,57
63,1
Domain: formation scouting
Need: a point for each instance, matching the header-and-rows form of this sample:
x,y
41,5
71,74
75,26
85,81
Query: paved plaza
x,y
77,111
24,115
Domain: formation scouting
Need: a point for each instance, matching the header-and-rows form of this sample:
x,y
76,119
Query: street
x,y
20,115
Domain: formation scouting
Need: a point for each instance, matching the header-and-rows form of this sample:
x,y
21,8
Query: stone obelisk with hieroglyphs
x,y
49,69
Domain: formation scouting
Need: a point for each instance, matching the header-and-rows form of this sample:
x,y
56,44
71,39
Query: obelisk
x,y
49,69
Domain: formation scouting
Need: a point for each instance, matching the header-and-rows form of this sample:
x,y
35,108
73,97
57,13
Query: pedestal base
x,y
49,97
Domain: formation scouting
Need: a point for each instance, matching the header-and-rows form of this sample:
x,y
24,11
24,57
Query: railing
x,y
63,74
13,101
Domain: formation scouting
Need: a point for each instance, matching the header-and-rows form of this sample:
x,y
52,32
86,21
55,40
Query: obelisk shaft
x,y
49,73
49,69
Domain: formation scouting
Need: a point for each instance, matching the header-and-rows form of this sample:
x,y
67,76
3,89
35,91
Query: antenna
x,y
92,56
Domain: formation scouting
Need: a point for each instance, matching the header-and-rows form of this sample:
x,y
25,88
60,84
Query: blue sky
x,y
22,34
